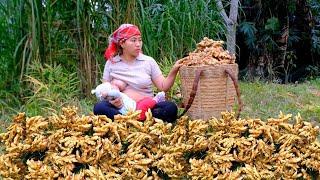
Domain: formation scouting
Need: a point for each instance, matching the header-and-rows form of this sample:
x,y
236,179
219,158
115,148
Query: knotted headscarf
x,y
125,31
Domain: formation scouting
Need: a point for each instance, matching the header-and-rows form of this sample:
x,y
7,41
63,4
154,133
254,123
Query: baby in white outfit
x,y
110,91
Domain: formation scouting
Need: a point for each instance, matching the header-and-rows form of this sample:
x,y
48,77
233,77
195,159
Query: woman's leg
x,y
166,110
105,108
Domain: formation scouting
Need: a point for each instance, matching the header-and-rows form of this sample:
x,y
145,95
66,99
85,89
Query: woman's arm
x,y
116,102
165,83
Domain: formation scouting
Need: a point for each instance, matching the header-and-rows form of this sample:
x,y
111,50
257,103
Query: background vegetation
x,y
52,51
279,40
266,100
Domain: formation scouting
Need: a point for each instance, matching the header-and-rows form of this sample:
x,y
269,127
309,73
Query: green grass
x,y
265,100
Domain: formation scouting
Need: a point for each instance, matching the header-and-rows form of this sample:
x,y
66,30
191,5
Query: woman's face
x,y
132,46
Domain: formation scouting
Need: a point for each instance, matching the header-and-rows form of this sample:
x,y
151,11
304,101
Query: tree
x,y
230,23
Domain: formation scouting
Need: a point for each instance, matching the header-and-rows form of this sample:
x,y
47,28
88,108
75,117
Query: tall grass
x,y
48,88
55,31
9,37
46,92
85,48
171,29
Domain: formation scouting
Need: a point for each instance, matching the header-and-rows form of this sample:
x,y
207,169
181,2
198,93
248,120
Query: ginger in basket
x,y
209,52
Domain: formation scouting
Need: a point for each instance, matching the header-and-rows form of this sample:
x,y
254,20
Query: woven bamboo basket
x,y
214,92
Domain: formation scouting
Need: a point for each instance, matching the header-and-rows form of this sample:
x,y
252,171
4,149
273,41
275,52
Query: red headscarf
x,y
125,31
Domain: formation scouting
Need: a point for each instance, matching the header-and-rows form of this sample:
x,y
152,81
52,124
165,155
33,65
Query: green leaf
x,y
272,24
249,30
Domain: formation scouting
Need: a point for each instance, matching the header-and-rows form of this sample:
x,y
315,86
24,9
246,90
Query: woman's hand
x,y
165,83
177,65
117,102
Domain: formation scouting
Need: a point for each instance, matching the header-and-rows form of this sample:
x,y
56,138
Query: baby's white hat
x,y
104,87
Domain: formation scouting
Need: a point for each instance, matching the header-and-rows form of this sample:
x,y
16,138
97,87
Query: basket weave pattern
x,y
216,92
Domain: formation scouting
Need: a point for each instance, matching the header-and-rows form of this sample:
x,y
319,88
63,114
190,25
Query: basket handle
x,y
236,86
193,91
195,88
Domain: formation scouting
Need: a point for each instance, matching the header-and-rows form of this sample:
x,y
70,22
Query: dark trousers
x,y
166,110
